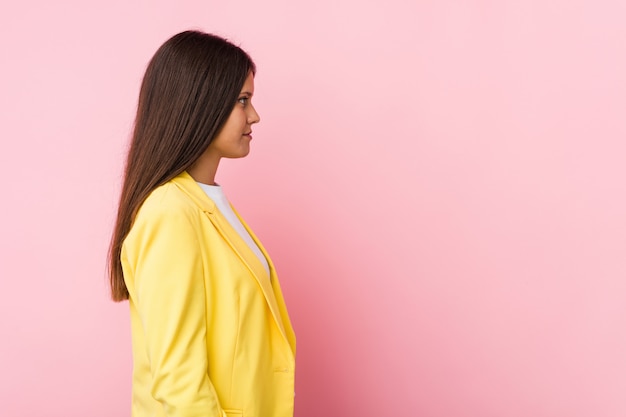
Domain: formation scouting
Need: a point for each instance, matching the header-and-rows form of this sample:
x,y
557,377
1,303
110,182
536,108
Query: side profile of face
x,y
233,140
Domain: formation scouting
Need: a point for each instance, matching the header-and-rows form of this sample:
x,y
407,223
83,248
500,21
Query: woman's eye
x,y
243,100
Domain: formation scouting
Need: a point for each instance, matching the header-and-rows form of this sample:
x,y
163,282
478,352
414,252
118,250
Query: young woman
x,y
210,330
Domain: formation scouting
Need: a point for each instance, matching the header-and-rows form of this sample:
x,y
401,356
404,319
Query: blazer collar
x,y
186,183
271,292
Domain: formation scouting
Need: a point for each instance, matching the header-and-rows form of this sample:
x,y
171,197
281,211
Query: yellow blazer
x,y
210,330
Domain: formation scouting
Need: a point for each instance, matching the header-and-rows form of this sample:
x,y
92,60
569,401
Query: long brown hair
x,y
190,88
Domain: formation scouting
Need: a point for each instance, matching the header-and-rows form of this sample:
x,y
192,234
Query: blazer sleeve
x,y
171,302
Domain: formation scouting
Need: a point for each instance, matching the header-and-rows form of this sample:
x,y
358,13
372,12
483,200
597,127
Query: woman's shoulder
x,y
166,200
166,213
166,217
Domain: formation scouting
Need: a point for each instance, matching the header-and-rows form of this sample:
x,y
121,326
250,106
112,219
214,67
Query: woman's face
x,y
233,141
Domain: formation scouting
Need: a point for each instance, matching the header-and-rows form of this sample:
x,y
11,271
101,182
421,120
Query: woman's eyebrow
x,y
246,92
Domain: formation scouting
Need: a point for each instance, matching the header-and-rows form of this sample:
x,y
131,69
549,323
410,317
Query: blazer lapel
x,y
279,302
239,246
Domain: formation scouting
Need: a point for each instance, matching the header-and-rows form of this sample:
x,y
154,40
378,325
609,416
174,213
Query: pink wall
x,y
441,185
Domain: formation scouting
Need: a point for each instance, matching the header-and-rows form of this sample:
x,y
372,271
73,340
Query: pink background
x,y
441,185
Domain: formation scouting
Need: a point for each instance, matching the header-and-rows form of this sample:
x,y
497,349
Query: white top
x,y
216,194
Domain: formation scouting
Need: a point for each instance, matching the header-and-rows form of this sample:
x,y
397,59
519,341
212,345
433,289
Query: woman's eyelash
x,y
243,100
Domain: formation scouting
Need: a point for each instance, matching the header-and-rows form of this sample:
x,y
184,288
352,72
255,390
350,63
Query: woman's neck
x,y
204,169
